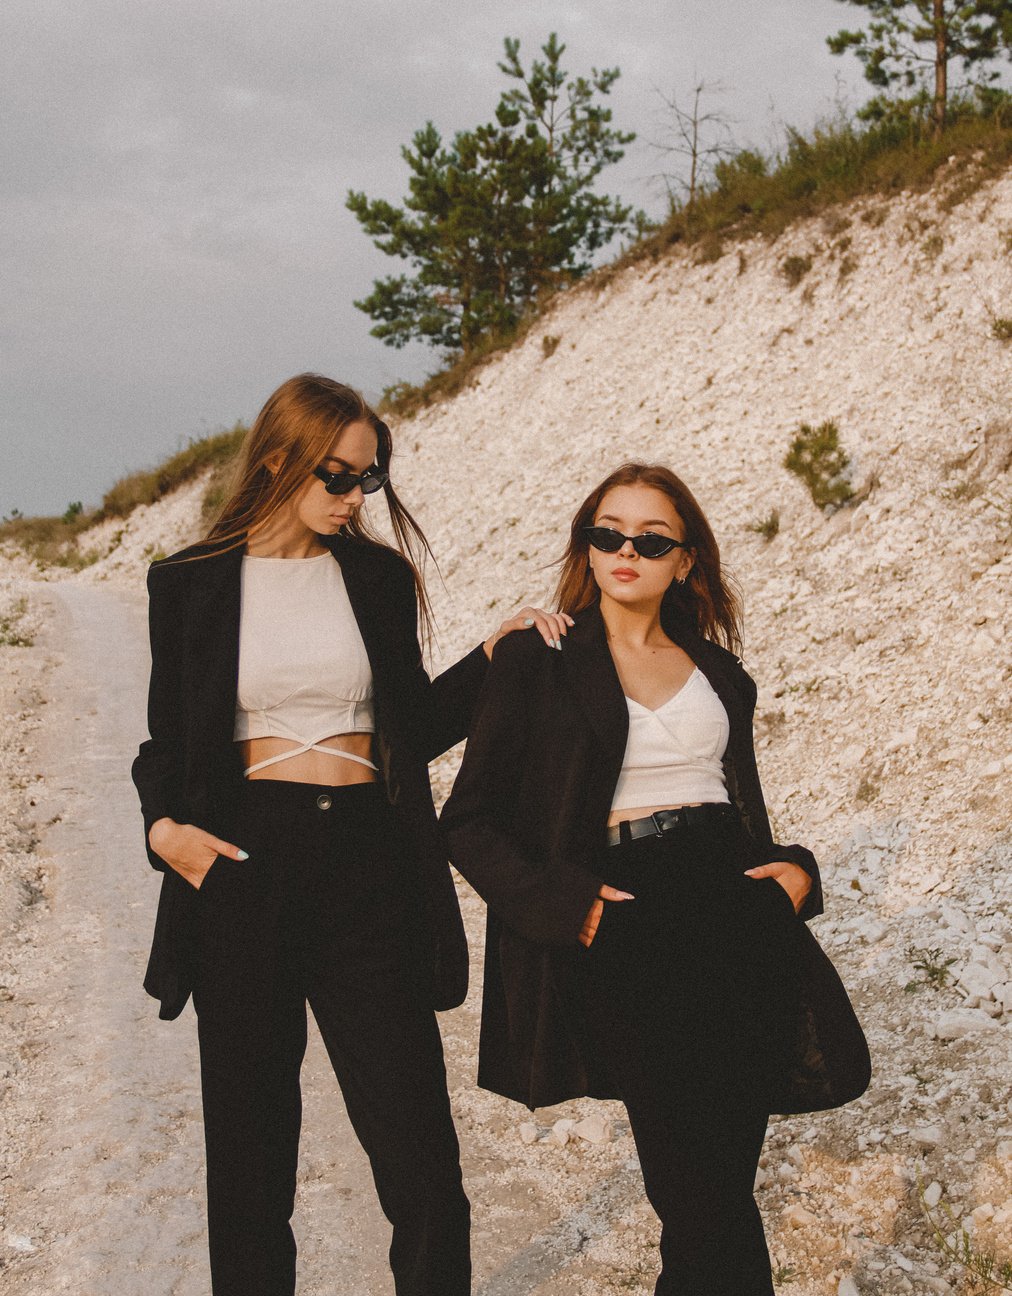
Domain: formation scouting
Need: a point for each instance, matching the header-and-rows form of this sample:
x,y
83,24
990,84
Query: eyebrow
x,y
651,522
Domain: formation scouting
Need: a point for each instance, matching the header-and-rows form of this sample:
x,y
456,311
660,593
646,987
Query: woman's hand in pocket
x,y
188,850
792,877
591,923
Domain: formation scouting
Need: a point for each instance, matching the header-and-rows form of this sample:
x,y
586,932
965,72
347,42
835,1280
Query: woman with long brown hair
x,y
643,940
286,799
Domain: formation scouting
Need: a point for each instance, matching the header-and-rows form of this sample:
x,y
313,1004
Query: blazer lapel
x,y
214,640
591,675
712,663
367,604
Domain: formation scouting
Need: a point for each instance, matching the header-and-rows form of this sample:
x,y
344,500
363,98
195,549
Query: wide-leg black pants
x,y
321,912
690,997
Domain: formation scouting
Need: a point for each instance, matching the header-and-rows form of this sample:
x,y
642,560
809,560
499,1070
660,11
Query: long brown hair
x,y
299,421
710,598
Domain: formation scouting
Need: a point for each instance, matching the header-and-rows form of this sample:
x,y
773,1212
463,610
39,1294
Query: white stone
x,y
761,1177
981,1214
977,980
959,1023
926,1135
528,1132
933,1194
798,1217
848,1287
561,1131
594,1129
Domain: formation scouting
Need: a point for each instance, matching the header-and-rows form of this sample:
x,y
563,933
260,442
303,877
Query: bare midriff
x,y
641,812
311,766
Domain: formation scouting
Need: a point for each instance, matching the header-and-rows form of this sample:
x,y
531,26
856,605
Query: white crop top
x,y
303,670
673,755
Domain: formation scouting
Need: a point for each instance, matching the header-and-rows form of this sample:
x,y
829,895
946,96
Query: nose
x,y
627,550
354,497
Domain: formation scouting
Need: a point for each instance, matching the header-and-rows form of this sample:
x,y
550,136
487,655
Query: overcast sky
x,y
176,242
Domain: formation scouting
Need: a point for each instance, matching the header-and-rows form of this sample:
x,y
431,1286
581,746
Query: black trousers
x,y
690,998
321,912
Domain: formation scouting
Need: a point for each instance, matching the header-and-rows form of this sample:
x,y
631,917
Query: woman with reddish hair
x,y
286,800
643,936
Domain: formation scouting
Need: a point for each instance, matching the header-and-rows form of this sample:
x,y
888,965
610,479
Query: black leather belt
x,y
662,822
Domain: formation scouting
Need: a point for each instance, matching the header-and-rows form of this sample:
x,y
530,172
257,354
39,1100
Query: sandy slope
x,y
880,640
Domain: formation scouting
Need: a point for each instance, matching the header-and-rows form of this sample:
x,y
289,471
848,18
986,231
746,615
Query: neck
x,y
284,538
635,624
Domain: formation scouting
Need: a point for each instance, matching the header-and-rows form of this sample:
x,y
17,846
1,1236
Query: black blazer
x,y
190,768
526,820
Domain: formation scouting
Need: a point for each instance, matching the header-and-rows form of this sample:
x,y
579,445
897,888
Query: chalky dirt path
x,y
110,1199
105,1193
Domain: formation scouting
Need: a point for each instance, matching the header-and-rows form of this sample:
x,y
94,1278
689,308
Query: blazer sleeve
x,y
545,901
747,793
444,705
156,769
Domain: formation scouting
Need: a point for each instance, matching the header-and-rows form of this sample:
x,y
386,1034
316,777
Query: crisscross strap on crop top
x,y
674,755
304,674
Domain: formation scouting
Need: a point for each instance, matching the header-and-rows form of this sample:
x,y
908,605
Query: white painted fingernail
x,y
528,621
242,855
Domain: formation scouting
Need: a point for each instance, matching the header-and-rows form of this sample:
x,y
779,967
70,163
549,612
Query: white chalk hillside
x,y
878,637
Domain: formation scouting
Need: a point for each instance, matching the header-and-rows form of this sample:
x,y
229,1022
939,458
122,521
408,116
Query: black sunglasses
x,y
340,483
647,545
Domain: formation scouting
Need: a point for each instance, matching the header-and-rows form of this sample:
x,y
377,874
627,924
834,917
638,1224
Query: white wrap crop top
x,y
673,755
303,670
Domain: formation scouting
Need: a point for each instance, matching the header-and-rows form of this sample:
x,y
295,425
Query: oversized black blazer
x,y
190,770
526,820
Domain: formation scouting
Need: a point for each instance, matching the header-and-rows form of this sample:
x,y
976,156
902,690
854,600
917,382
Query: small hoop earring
x,y
680,579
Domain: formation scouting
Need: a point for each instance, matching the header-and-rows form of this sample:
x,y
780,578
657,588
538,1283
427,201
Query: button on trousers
x,y
321,914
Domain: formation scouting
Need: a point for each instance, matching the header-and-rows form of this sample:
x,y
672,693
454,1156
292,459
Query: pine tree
x,y
500,214
910,43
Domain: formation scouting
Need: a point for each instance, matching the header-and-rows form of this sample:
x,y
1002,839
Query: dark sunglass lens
x,y
653,546
372,484
605,539
341,483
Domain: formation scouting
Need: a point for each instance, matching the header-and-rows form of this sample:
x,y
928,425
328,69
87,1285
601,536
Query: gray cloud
x,y
176,238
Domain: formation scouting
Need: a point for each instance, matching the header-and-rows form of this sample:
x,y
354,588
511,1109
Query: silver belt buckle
x,y
664,825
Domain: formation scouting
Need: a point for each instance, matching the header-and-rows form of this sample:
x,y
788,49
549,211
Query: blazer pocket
x,y
213,876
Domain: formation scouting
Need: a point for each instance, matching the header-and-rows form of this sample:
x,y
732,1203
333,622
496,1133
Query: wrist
x,y
159,831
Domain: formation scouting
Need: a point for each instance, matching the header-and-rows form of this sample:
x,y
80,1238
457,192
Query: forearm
x,y
544,901
452,697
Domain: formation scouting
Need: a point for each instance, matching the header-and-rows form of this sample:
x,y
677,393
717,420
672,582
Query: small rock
x,y
19,1242
932,1195
977,980
961,1022
595,1129
926,1135
848,1287
560,1132
981,1214
760,1178
798,1217
528,1132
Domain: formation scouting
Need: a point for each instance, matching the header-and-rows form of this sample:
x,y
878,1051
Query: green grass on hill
x,y
750,195
52,541
756,195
